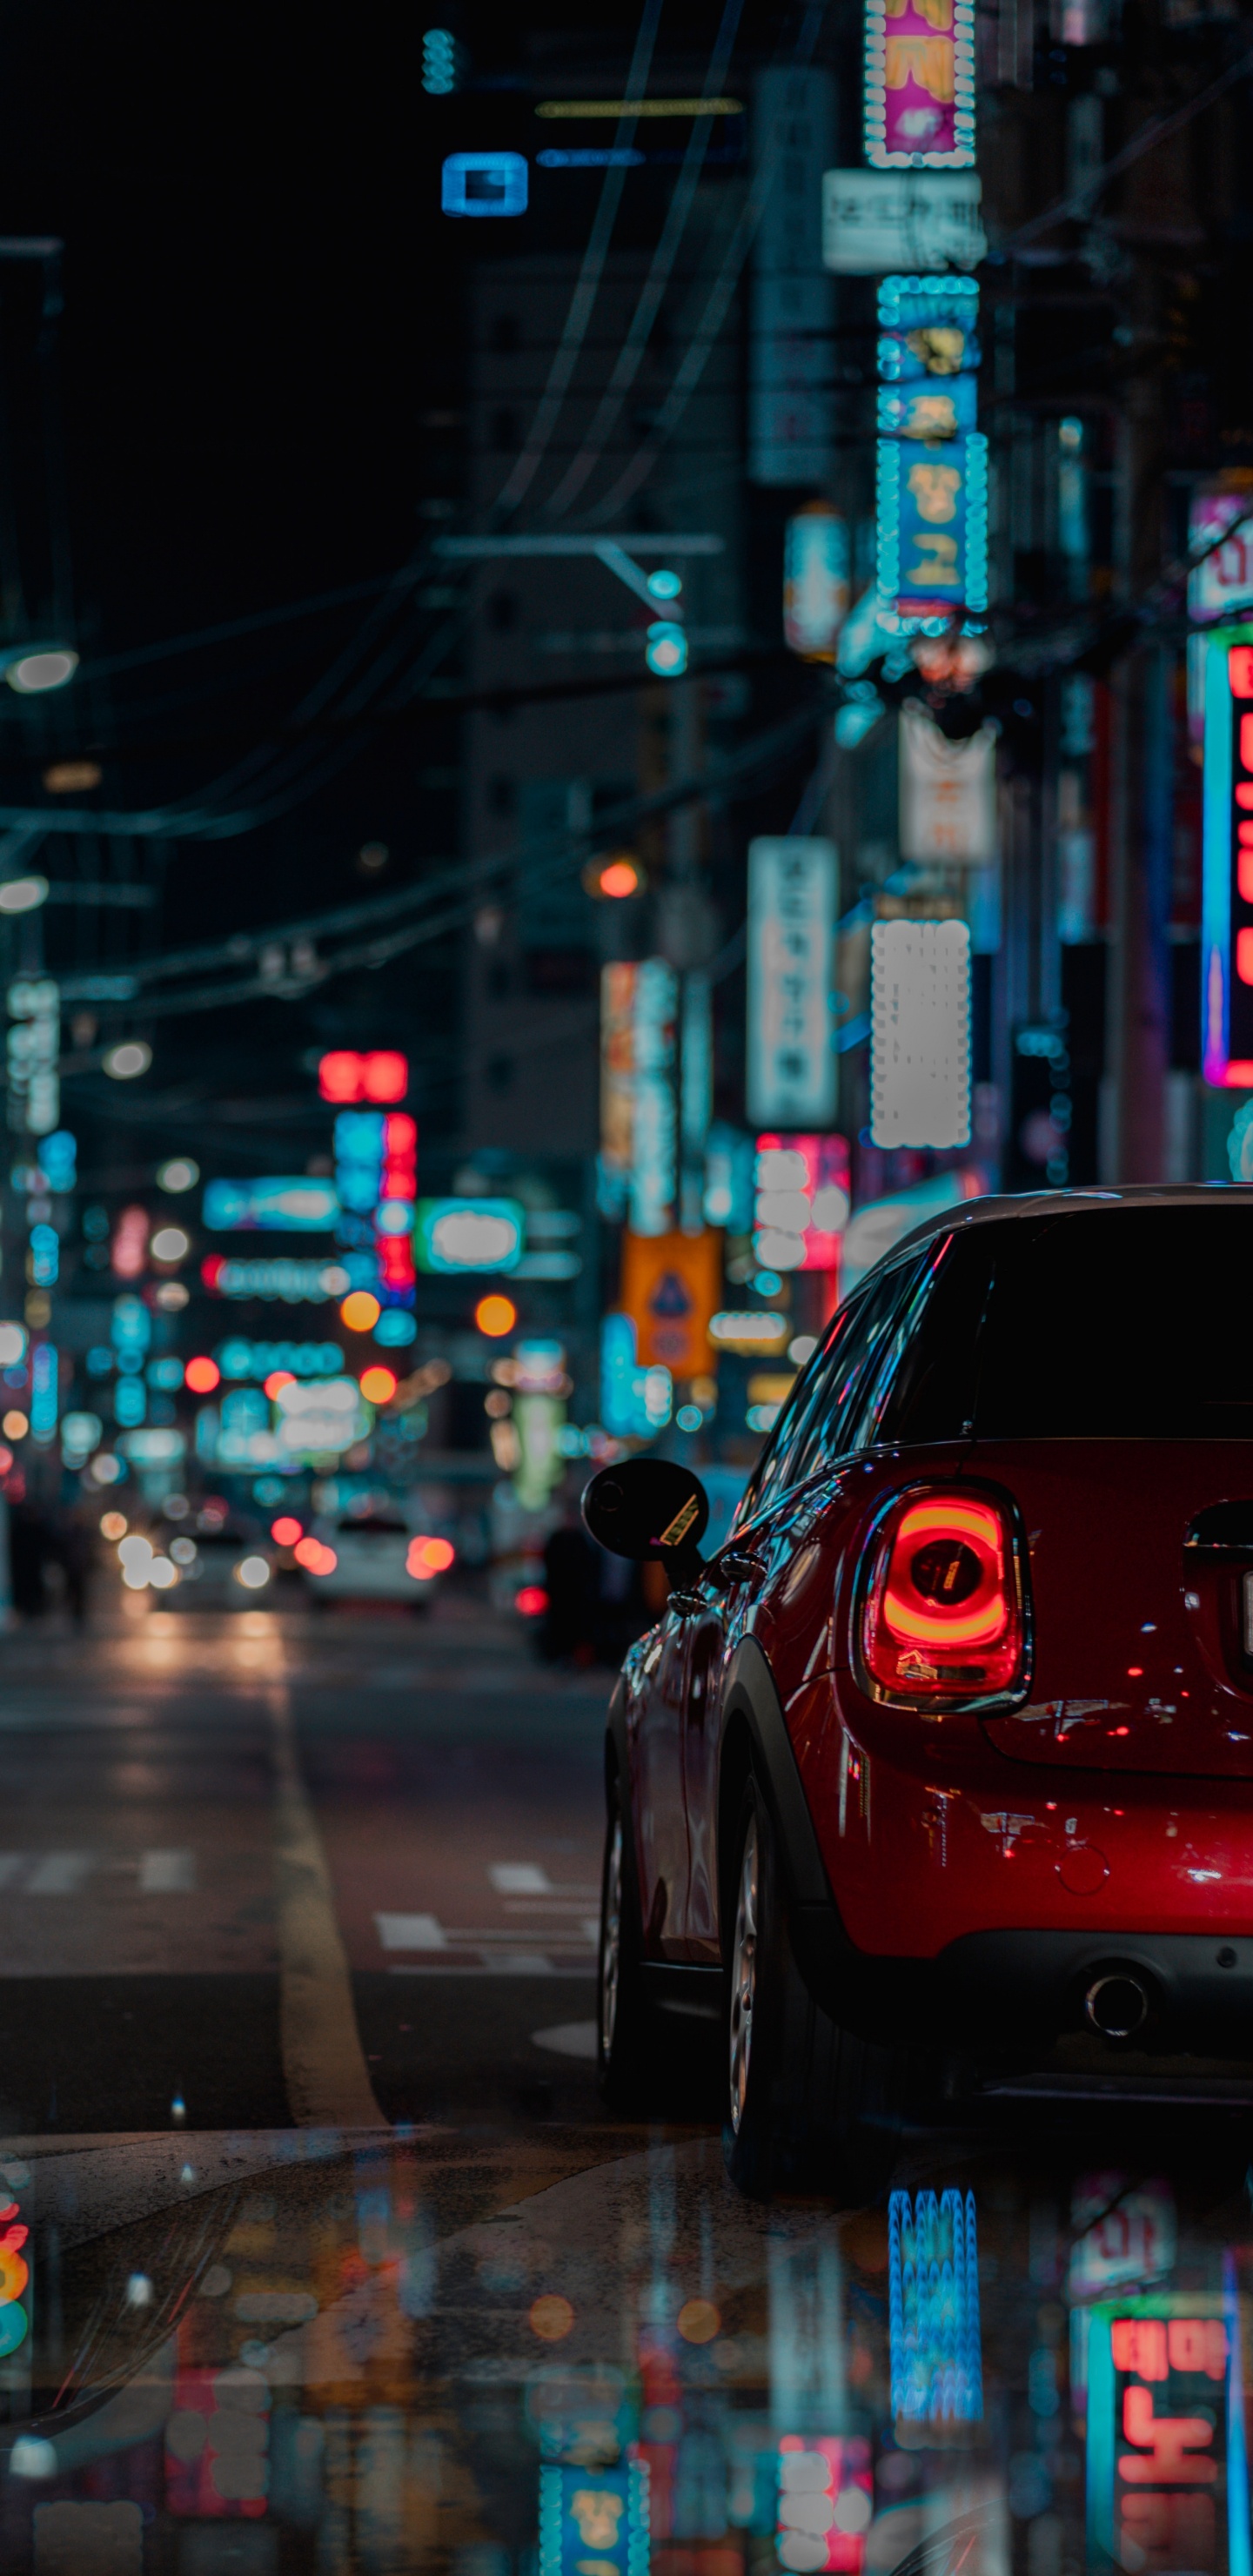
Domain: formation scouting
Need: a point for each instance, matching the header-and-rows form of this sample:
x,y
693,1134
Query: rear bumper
x,y
1006,1996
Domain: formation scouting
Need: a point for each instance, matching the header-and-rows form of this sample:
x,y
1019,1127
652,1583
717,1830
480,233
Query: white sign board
x,y
947,793
874,221
1222,584
791,922
920,1033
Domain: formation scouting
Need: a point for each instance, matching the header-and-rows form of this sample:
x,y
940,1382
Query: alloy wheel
x,y
743,1977
611,1939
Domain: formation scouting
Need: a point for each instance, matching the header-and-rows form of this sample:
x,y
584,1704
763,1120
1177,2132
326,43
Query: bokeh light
x,y
550,2317
360,1311
202,1375
378,1385
15,1425
285,1531
495,1316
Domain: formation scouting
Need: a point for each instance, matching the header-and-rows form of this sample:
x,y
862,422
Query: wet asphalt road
x,y
454,1789
322,2254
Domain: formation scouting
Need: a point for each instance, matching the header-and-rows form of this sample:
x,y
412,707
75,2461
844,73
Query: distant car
x,y
219,1569
372,1556
935,1779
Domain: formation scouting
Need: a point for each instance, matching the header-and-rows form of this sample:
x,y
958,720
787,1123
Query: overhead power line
x,y
444,900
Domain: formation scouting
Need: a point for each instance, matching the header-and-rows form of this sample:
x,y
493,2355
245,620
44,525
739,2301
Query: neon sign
x,y
378,1074
933,2308
484,183
14,2276
1167,2472
920,84
593,2518
920,1033
826,2504
802,1202
1227,895
287,1206
932,479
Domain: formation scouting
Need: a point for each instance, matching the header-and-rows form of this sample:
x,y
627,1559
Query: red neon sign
x,y
379,1074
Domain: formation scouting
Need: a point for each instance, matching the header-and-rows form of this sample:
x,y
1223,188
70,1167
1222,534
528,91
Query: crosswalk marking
x,y
411,1932
167,1873
520,1878
66,1873
59,1874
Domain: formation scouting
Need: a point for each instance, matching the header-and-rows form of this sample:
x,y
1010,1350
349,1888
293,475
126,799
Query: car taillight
x,y
942,1612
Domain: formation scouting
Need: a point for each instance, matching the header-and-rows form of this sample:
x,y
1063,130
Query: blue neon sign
x,y
484,183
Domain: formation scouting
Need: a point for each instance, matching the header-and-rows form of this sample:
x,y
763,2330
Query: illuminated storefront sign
x,y
791,924
815,581
14,2277
802,1202
920,1033
43,1394
288,1283
932,468
34,1046
876,220
469,1234
1167,2470
1227,896
791,387
484,183
241,1358
933,2308
376,1180
670,1288
379,1074
826,2503
287,1206
327,1415
593,2518
920,84
654,1137
637,1171
947,792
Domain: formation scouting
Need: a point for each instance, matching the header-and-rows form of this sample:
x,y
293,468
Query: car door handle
x,y
739,1565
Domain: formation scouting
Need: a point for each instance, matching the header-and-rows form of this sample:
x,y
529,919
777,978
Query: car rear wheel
x,y
628,2037
809,2106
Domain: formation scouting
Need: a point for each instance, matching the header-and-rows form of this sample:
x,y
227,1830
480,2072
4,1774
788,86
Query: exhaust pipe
x,y
1117,2003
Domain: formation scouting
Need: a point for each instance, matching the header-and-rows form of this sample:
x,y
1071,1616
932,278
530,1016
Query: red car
x,y
939,1774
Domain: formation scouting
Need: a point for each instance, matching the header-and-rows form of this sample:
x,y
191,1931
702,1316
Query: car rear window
x,y
372,1526
1127,1323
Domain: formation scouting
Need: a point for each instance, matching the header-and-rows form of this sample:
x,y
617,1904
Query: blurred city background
x,y
625,668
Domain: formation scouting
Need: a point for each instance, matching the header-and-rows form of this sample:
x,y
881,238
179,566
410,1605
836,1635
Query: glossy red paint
x,y
1119,1791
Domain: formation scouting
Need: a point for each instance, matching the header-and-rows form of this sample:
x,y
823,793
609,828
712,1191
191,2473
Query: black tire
x,y
629,2040
809,2106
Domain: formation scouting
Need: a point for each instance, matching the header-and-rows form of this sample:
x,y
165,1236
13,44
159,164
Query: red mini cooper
x,y
938,1776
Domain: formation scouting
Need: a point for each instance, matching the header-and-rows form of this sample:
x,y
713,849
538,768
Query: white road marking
x,y
411,1932
568,2039
60,1873
167,1873
520,1878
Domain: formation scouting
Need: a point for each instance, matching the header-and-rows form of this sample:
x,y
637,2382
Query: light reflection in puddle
x,y
431,2354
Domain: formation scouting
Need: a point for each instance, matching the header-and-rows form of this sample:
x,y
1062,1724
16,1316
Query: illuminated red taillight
x,y
942,1612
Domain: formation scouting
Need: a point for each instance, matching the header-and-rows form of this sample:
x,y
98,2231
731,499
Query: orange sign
x,y
671,1285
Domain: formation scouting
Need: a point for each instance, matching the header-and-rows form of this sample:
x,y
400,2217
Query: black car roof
x,y
1004,1211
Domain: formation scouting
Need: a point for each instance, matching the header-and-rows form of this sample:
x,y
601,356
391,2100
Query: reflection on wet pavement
x,y
289,2351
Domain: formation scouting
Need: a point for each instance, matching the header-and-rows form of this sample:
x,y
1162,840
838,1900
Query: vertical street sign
x,y
791,923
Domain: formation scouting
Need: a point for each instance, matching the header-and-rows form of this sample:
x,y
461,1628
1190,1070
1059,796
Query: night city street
x,y
626,1263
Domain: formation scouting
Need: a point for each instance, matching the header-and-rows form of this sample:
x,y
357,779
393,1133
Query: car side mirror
x,y
649,1509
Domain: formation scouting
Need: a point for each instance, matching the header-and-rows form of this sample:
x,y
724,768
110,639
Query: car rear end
x,y
373,1556
1035,1793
